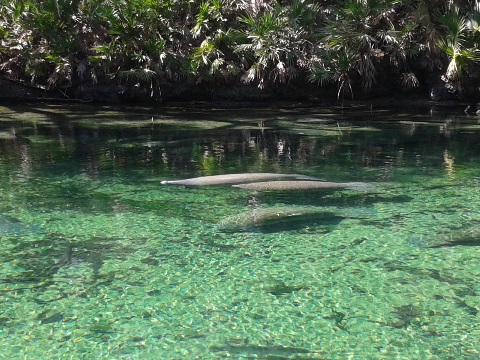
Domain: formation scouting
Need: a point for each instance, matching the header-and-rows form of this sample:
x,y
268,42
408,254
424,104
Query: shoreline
x,y
12,92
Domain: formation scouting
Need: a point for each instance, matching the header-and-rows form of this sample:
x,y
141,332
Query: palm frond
x,y
454,23
144,76
283,73
409,81
367,70
473,18
321,74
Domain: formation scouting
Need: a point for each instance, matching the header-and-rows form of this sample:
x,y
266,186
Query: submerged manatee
x,y
278,219
469,236
304,185
11,226
232,179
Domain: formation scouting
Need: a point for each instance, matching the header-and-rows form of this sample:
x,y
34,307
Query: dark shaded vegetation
x,y
222,49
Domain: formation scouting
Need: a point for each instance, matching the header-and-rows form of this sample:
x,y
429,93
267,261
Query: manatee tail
x,y
422,241
418,241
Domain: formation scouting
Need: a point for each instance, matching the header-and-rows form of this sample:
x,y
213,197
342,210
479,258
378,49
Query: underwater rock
x,y
296,185
232,179
278,219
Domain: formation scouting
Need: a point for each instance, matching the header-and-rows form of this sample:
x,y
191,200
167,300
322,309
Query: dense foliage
x,y
151,43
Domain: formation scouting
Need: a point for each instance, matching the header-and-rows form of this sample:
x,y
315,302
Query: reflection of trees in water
x,y
94,150
252,149
248,150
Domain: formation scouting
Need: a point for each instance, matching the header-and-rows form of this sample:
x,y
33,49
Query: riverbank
x,y
191,96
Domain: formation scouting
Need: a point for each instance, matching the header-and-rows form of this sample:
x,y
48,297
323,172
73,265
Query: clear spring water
x,y
98,260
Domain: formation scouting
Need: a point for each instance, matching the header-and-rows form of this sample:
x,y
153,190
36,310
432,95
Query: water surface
x,y
98,260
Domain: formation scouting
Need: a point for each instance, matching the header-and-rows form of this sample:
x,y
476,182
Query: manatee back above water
x,y
233,179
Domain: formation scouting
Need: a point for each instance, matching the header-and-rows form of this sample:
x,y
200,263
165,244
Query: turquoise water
x,y
98,260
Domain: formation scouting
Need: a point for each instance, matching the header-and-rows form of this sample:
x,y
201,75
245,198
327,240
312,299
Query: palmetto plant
x,y
13,40
460,42
275,40
446,36
264,46
131,47
212,59
44,34
358,34
423,17
335,66
209,17
149,43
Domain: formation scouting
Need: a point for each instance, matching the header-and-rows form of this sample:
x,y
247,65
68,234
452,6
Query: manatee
x,y
291,185
232,179
265,352
469,236
278,219
12,226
